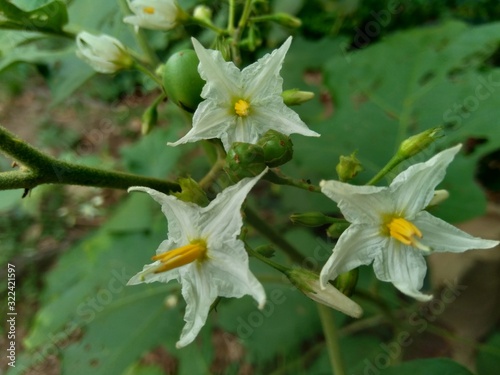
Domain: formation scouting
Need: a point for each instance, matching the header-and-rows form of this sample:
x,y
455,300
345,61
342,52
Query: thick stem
x,y
332,339
38,168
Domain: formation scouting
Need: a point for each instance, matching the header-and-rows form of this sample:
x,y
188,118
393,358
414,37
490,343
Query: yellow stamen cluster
x,y
242,107
171,259
149,10
406,233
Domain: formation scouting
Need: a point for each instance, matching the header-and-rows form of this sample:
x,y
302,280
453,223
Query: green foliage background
x,y
421,70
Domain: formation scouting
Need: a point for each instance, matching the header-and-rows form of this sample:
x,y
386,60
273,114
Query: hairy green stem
x,y
276,238
280,179
38,168
265,260
332,339
396,159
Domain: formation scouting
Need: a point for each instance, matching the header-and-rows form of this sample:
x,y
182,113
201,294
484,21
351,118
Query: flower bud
x,y
308,283
266,250
348,167
278,148
244,160
439,196
155,14
419,142
286,20
336,229
346,282
181,80
296,97
203,13
191,192
310,219
103,53
149,119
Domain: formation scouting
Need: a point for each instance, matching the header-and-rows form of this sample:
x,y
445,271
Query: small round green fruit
x,y
181,80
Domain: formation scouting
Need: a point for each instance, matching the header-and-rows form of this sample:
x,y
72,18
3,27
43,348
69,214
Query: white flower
x,y
104,53
153,14
240,106
203,253
390,227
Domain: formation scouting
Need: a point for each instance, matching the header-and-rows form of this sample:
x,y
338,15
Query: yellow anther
x,y
241,107
406,232
171,259
149,10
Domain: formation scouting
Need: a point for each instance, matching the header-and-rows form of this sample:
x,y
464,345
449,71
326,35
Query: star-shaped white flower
x,y
203,253
103,53
240,106
153,14
389,226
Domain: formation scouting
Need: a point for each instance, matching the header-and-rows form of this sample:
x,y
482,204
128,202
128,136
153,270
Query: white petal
x,y
223,78
413,188
357,246
199,294
209,121
441,236
280,118
359,204
222,218
262,78
147,275
231,275
183,217
243,130
404,266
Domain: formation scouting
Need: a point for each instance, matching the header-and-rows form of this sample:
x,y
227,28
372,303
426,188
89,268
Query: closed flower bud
x,y
348,167
296,97
418,143
286,20
103,53
149,119
278,148
266,250
191,192
203,13
346,282
310,219
336,229
439,196
181,80
308,283
244,160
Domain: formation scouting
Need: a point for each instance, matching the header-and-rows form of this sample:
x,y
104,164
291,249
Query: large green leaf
x,y
488,357
409,82
49,18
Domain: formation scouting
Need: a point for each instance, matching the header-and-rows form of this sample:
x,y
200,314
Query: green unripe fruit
x,y
181,80
278,148
244,160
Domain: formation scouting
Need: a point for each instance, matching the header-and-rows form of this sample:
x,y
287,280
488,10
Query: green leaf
x,y
151,156
439,366
409,82
49,18
488,357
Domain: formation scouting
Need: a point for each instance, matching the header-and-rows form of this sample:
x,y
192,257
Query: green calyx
x,y
244,160
278,148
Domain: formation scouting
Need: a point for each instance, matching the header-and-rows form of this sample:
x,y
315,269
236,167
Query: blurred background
x,y
381,71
